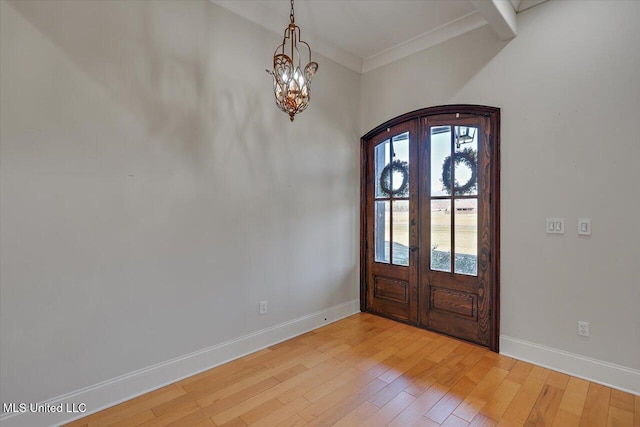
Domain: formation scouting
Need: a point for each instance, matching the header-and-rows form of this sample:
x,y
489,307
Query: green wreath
x,y
385,179
468,157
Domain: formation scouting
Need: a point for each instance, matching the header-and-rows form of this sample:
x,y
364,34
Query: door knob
x,y
413,248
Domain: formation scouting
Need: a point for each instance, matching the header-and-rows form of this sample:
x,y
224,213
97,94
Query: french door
x,y
430,223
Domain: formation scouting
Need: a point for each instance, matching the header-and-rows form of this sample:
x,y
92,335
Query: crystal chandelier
x,y
292,84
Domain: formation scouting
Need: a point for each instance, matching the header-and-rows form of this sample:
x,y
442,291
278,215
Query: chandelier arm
x,y
308,47
286,36
299,39
293,41
279,48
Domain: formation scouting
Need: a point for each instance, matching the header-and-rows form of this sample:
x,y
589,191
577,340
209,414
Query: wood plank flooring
x,y
369,371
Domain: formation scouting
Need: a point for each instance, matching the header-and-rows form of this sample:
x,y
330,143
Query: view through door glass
x,y
391,158
454,214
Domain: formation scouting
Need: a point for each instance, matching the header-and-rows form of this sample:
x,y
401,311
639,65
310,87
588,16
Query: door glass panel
x,y
440,150
382,235
466,160
400,166
401,232
382,158
392,167
441,235
466,236
401,147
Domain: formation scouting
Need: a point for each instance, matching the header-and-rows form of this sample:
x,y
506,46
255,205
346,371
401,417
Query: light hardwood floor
x,y
369,371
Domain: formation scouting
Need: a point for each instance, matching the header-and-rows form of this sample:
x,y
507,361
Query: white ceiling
x,y
366,34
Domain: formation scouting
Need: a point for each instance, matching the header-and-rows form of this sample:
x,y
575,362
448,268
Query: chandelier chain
x,y
291,13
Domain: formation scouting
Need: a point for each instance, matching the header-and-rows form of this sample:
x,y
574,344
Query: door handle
x,y
413,248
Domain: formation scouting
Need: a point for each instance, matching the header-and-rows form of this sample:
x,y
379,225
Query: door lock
x,y
413,248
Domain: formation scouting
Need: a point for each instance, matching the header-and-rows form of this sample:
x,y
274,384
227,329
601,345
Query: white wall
x,y
152,193
569,89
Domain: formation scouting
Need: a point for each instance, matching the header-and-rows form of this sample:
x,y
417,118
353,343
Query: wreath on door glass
x,y
385,179
469,159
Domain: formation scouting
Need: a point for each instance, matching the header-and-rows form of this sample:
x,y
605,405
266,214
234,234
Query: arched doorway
x,y
430,233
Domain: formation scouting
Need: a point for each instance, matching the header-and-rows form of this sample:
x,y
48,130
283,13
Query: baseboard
x,y
597,371
128,386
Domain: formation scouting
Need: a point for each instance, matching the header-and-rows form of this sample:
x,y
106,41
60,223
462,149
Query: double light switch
x,y
555,225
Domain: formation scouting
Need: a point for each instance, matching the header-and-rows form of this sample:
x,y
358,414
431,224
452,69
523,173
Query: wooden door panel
x,y
454,313
460,304
391,290
391,297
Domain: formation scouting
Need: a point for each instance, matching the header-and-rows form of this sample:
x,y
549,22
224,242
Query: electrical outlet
x,y
583,329
263,307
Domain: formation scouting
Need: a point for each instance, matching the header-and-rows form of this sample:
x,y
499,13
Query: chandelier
x,y
291,83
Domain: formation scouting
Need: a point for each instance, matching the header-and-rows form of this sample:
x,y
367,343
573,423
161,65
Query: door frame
x,y
493,114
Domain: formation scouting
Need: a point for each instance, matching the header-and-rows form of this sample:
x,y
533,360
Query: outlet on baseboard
x,y
263,307
583,329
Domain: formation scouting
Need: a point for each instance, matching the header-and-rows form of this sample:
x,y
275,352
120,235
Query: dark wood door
x,y
456,223
430,252
391,235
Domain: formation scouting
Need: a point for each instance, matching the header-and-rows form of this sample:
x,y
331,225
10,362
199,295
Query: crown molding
x,y
426,40
265,17
528,4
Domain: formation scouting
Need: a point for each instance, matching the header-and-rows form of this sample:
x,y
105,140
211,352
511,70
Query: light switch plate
x,y
555,225
584,226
